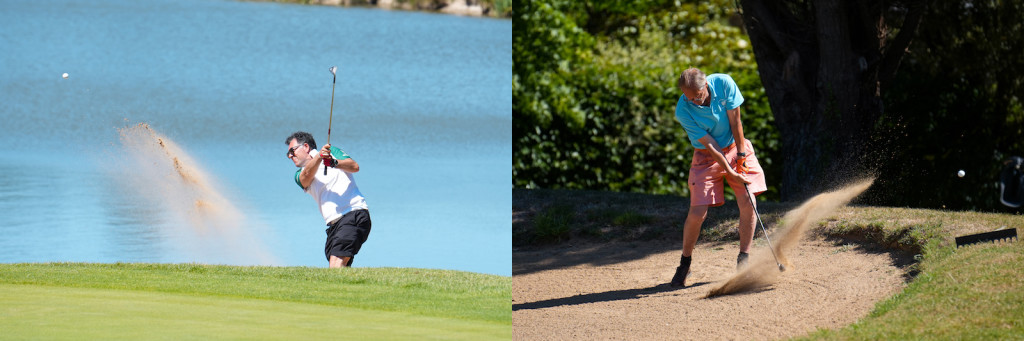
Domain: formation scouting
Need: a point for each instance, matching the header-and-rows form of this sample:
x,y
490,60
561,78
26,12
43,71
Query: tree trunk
x,y
824,64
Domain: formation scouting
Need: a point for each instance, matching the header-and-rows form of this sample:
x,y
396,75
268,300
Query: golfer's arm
x,y
716,152
308,172
737,128
348,165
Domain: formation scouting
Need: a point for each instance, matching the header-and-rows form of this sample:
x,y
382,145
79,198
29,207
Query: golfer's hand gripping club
x,y
329,161
741,165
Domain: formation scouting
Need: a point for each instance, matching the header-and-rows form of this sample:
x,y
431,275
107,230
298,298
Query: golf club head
x,y
782,268
334,70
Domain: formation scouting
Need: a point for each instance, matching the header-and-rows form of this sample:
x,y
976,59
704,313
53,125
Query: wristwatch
x,y
741,154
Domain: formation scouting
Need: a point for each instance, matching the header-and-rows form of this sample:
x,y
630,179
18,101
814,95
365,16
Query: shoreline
x,y
473,8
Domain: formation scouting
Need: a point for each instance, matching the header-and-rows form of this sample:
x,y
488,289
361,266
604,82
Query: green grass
x,y
189,301
631,219
974,292
969,293
552,225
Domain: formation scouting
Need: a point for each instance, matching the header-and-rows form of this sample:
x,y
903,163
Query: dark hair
x,y
302,137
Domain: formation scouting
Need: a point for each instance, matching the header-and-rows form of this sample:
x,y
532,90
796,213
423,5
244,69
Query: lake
x,y
101,166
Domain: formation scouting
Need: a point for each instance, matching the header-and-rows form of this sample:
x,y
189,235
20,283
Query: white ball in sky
x,y
65,75
961,173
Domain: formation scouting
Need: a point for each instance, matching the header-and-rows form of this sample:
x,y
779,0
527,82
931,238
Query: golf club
x,y
334,70
781,268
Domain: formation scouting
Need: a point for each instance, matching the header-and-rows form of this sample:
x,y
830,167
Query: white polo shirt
x,y
336,192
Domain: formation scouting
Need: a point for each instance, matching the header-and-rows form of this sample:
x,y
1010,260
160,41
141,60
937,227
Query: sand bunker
x,y
619,291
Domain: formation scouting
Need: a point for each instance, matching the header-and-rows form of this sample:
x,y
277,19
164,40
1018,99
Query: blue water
x,y
422,102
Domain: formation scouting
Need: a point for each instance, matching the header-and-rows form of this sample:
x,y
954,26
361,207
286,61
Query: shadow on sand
x,y
527,262
607,296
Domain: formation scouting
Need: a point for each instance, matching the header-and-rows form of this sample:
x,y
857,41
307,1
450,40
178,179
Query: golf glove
x,y
329,161
741,165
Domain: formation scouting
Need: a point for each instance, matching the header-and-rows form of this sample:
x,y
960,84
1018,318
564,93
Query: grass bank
x,y
973,292
190,301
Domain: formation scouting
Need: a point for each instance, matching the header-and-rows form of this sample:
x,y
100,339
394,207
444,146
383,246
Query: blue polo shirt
x,y
710,120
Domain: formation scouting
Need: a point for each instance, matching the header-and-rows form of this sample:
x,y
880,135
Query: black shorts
x,y
347,234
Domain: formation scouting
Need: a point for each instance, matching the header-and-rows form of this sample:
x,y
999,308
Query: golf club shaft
x,y
330,120
758,215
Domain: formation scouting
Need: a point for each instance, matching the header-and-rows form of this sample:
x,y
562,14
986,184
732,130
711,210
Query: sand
x,y
620,291
763,271
204,223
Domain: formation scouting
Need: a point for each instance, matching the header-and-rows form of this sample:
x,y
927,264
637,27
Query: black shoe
x,y
679,280
741,260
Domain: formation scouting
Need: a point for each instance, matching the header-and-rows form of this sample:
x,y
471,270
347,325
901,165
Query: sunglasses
x,y
291,151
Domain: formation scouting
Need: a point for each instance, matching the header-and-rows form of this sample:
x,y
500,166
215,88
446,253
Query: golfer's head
x,y
299,145
692,82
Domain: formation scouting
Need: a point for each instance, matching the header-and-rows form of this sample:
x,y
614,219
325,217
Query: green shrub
x,y
594,95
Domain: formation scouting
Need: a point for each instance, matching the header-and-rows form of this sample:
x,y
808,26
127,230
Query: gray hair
x,y
691,78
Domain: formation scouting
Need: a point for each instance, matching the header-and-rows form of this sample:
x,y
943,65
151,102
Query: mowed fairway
x,y
145,301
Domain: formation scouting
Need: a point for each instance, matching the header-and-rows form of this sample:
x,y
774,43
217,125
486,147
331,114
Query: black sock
x,y
684,261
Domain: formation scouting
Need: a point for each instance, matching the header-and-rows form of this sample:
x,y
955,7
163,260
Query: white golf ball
x,y
65,75
961,173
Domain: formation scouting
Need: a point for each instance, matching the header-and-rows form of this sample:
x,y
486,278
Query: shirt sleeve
x,y
339,154
693,131
733,97
297,181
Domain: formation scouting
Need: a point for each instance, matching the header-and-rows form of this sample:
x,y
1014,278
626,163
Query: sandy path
x,y
594,293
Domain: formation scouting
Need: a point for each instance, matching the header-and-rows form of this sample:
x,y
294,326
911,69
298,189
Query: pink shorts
x,y
707,177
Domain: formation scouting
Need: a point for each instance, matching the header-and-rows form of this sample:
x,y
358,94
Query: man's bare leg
x,y
747,223
691,231
691,228
337,262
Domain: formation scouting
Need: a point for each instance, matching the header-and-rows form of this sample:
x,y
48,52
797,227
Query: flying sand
x,y
761,272
205,223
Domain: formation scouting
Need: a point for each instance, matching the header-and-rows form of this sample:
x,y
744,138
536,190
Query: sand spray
x,y
205,224
761,271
